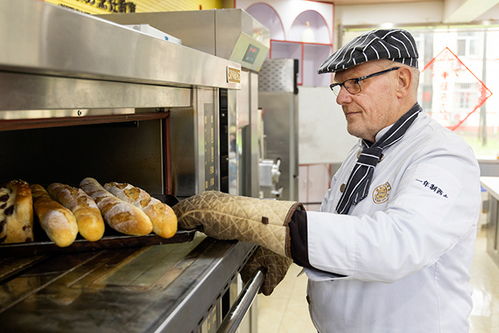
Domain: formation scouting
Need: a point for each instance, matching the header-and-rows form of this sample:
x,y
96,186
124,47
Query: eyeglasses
x,y
353,85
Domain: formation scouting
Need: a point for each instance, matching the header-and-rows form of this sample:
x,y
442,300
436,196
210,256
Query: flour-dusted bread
x,y
58,222
87,214
163,218
16,212
119,214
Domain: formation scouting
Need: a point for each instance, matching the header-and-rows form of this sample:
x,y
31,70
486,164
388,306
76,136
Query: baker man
x,y
391,247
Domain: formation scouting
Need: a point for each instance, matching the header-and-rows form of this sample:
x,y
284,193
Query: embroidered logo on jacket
x,y
433,187
381,192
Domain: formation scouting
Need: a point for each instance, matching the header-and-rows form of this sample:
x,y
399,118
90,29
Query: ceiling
x,y
455,11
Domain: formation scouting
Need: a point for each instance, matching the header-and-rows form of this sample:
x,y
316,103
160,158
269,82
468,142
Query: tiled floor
x,y
485,281
286,310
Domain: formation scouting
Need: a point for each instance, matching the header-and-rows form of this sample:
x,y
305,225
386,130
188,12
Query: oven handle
x,y
242,304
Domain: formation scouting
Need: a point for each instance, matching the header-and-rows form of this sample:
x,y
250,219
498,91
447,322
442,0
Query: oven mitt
x,y
226,216
273,266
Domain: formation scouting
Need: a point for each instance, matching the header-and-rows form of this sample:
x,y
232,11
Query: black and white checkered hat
x,y
393,44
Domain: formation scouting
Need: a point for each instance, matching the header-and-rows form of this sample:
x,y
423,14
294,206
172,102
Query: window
x,y
467,43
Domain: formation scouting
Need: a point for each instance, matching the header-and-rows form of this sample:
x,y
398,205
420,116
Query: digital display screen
x,y
251,54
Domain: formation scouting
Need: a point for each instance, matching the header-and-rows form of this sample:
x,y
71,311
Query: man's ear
x,y
404,81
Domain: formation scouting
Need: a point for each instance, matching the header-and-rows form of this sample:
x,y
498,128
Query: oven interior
x,y
131,152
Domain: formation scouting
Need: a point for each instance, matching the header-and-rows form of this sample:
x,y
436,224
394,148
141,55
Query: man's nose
x,y
343,97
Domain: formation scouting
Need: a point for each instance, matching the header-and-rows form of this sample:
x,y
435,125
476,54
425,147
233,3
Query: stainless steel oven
x,y
79,97
230,34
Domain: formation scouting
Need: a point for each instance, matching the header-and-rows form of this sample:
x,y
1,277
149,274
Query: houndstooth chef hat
x,y
393,44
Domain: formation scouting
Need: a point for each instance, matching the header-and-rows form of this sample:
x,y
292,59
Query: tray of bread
x,y
60,218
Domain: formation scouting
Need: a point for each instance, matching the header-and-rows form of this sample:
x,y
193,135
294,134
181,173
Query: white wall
x,y
398,13
288,10
323,137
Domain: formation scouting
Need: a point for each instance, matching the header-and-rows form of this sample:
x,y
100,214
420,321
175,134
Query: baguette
x,y
86,212
163,218
57,221
120,215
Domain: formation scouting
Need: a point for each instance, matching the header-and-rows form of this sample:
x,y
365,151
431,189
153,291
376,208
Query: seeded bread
x,y
20,222
5,202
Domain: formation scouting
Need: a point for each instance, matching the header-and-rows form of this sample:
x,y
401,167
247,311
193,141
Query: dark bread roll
x,y
16,212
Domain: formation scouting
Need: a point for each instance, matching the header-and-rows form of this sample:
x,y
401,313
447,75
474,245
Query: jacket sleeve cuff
x,y
298,231
299,238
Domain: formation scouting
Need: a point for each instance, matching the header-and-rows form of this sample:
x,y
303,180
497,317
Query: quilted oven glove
x,y
263,222
274,268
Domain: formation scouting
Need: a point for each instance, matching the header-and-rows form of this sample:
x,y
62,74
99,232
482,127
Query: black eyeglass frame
x,y
356,80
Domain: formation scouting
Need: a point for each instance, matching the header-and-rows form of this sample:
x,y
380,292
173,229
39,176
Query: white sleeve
x,y
435,204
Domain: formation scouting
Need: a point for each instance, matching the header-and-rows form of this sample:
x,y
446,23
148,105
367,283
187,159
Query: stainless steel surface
x,y
39,114
184,139
38,37
281,139
255,136
226,33
161,288
209,102
234,143
35,92
243,134
269,178
280,118
208,286
277,75
194,141
237,31
242,304
177,24
248,126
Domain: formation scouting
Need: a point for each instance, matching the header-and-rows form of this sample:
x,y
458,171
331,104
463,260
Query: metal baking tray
x,y
110,241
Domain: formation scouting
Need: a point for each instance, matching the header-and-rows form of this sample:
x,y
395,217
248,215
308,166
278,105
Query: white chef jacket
x,y
406,248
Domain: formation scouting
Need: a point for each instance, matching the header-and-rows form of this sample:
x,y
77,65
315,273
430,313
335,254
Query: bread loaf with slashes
x,y
119,215
163,218
87,214
58,222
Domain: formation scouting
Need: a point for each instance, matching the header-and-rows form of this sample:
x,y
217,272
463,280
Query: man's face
x,y
376,106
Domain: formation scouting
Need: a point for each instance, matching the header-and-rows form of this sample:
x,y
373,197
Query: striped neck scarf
x,y
360,179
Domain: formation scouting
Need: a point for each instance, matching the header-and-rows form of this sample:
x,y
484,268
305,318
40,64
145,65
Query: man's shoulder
x,y
429,135
431,140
